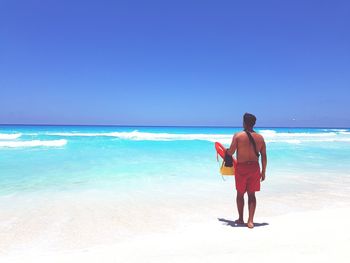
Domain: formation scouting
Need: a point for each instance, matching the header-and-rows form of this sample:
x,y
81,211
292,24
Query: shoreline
x,y
307,236
112,225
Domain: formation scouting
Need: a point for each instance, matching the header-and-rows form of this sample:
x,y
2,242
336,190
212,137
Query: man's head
x,y
248,121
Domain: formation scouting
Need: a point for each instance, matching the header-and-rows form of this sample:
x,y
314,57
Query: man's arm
x,y
233,146
263,160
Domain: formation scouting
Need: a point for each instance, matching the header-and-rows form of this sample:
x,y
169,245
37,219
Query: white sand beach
x,y
315,236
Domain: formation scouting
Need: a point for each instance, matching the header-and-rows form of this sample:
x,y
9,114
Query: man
x,y
248,173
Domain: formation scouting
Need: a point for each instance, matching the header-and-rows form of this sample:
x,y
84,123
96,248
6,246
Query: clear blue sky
x,y
175,62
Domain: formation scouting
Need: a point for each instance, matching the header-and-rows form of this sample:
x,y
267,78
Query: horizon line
x,y
170,126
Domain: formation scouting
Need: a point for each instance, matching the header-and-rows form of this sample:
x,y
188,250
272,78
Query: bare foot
x,y
250,225
239,222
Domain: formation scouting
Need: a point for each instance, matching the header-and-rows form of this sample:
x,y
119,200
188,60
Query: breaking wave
x,y
269,135
273,134
33,143
149,136
12,136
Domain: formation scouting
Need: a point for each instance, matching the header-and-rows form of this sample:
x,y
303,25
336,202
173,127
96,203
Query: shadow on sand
x,y
234,224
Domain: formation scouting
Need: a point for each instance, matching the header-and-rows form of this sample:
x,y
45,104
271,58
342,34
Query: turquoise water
x,y
72,158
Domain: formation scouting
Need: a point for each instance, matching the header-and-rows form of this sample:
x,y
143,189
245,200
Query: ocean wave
x,y
269,135
149,136
291,141
333,135
273,134
33,143
336,130
9,136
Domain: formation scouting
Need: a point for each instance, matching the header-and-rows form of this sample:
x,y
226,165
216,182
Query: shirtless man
x,y
248,173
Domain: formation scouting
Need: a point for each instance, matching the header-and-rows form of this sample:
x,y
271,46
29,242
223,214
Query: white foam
x,y
12,136
269,135
268,132
148,136
336,130
291,141
33,143
272,134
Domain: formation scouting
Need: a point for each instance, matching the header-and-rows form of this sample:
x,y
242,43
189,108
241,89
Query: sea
x,y
97,184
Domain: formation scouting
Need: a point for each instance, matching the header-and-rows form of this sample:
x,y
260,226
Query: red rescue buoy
x,y
220,150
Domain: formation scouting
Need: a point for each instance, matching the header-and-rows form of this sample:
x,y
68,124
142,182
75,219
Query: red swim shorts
x,y
248,177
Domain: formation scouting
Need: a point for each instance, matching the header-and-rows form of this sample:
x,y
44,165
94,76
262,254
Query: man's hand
x,y
262,176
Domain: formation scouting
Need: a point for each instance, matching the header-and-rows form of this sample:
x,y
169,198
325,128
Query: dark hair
x,y
249,119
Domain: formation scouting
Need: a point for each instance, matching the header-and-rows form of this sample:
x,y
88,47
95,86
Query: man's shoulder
x,y
239,134
258,136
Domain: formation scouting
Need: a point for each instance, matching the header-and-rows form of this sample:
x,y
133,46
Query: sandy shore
x,y
315,236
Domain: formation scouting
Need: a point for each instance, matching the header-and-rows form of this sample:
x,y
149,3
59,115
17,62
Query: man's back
x,y
245,149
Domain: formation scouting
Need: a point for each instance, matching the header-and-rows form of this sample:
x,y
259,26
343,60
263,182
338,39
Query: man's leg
x,y
251,206
240,206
